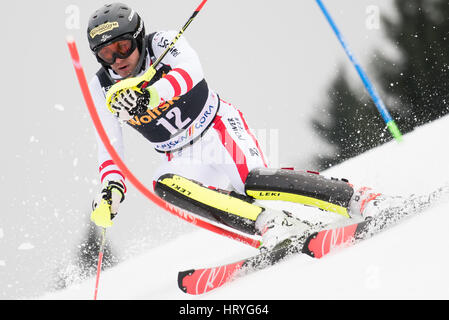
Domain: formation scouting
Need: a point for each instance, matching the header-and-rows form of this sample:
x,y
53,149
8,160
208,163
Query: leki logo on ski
x,y
105,27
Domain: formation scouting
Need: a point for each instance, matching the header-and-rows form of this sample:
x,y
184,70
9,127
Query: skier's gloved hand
x,y
125,104
130,102
106,204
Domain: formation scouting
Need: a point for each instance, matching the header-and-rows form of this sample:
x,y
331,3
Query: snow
x,y
59,107
26,246
409,261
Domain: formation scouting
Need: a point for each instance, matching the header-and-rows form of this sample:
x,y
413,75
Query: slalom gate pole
x,y
100,261
180,213
391,125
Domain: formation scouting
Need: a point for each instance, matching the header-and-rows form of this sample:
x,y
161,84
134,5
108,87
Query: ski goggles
x,y
121,49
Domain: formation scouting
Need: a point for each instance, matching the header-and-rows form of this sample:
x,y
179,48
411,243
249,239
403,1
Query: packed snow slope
x,y
408,261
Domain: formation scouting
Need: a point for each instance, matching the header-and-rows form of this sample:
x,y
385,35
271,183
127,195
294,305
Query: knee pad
x,y
310,189
227,208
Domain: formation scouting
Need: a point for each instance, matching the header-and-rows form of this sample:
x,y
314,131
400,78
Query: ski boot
x,y
275,227
368,204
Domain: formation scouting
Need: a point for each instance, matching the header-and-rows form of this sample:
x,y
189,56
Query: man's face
x,y
124,67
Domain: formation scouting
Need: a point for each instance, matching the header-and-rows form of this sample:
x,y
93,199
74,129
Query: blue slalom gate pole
x,y
391,125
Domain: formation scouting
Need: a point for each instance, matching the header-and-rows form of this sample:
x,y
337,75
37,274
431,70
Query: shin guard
x,y
227,208
310,189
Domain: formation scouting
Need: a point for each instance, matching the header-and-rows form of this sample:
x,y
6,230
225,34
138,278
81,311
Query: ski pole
x,y
100,260
391,125
167,50
141,82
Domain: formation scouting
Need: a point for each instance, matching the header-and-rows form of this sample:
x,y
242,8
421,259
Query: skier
x,y
204,141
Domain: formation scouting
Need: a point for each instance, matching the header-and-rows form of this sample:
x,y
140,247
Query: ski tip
x,y
181,276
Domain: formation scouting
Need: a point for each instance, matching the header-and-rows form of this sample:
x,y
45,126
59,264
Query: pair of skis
x,y
315,244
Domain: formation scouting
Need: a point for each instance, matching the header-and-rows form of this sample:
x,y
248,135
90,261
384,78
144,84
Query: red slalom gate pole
x,y
128,174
